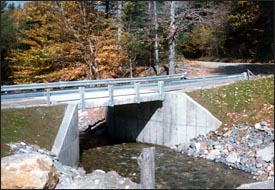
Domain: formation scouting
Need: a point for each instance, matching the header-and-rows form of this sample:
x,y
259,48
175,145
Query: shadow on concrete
x,y
125,122
254,68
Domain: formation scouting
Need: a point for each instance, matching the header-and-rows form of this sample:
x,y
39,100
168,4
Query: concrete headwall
x,y
66,144
175,120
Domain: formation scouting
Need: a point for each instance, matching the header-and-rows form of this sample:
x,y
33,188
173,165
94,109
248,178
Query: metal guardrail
x,y
63,84
158,83
242,76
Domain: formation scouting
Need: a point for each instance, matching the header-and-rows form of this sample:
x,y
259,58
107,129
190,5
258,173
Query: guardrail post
x,y
137,89
161,89
48,97
82,97
111,95
245,76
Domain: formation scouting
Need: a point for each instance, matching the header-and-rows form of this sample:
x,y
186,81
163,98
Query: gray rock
x,y
266,153
268,184
232,158
99,179
198,146
210,157
263,123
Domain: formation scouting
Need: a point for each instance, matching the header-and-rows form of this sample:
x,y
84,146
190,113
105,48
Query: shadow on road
x,y
254,68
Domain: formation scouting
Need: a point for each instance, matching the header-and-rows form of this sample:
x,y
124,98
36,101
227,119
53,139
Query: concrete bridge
x,y
144,112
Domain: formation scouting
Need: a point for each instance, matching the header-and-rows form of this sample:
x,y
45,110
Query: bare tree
x,y
119,31
156,37
172,34
189,14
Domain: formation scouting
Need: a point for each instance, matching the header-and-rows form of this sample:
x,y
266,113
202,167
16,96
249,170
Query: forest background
x,y
47,41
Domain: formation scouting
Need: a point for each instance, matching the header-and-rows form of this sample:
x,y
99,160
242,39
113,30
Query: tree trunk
x,y
119,20
156,38
172,38
119,31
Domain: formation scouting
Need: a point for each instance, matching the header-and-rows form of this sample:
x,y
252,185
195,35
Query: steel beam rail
x,y
242,76
62,84
151,85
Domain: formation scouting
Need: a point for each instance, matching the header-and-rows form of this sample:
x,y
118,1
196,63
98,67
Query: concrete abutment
x,y
175,120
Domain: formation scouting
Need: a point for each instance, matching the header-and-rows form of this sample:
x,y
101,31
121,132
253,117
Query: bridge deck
x,y
92,99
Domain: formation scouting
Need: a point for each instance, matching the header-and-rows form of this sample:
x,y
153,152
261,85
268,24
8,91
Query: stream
x,y
173,169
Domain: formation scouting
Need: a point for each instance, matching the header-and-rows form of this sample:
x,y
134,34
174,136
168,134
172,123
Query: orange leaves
x,y
28,42
63,45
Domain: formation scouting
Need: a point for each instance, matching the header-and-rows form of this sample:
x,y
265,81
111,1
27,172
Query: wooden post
x,y
137,87
146,162
111,95
48,97
82,97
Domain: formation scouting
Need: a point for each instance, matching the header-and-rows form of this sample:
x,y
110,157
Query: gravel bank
x,y
245,147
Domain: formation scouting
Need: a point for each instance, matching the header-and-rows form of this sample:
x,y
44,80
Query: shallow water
x,y
173,169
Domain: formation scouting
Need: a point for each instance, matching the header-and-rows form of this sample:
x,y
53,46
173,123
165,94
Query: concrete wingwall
x,y
66,144
175,120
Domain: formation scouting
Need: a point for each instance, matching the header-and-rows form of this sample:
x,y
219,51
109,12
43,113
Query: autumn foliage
x,y
50,41
64,45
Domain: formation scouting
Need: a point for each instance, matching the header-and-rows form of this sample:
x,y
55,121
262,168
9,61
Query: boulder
x,y
99,179
28,171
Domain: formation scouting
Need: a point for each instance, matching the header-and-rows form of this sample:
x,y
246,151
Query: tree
x,y
36,58
10,23
137,34
88,46
250,30
184,14
65,41
200,39
156,38
172,35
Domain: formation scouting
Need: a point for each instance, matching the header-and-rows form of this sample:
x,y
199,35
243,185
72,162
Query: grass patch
x,y
34,125
249,101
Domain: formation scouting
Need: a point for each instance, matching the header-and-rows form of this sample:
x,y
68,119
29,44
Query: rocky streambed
x,y
248,148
